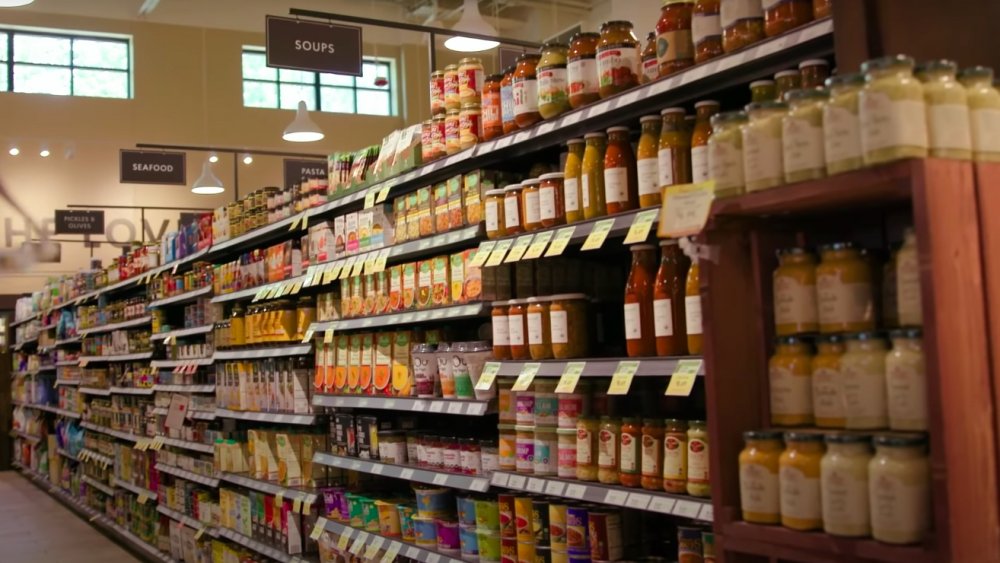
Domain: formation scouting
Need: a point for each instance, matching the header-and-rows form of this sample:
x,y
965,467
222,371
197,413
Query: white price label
x,y
687,509
554,488
576,491
615,497
706,513
536,485
516,482
406,474
637,501
440,479
455,408
500,479
437,406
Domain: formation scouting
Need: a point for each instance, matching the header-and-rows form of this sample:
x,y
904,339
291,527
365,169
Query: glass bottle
x,y
742,23
762,165
652,454
948,127
763,91
620,182
674,151
581,70
794,283
790,384
507,100
692,308
629,462
892,111
609,442
984,112
906,381
675,452
704,110
827,392
844,289
592,176
759,496
907,275
650,66
640,337
784,15
669,323
525,90
799,481
572,198
647,164
802,135
675,48
841,125
697,460
725,153
553,93
706,30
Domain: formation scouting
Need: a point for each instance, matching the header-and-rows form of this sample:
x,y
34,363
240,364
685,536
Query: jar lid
x,y
595,135
803,436
668,2
864,336
757,83
451,67
470,60
444,347
829,339
705,103
906,332
618,128
531,182
668,242
806,94
764,434
790,340
494,192
886,62
575,142
765,106
524,427
937,65
616,23
638,247
836,246
512,187
568,296
978,71
552,176
437,73
673,110
584,35
728,117
423,347
791,250
784,73
849,79
900,440
847,438
813,62
649,118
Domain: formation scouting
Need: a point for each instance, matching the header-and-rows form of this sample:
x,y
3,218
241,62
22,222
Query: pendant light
x,y
14,3
471,22
208,183
302,129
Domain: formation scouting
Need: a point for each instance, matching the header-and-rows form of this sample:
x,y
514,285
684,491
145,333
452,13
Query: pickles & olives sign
x,y
79,222
313,46
145,167
298,171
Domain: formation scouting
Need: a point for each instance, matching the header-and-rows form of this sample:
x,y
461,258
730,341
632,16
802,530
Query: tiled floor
x,y
35,528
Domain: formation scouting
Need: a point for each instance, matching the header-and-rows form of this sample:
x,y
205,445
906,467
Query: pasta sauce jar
x,y
491,107
470,80
618,58
437,93
553,93
525,84
581,69
674,46
451,98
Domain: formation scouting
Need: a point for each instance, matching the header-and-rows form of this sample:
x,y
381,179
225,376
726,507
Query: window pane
x,y
371,71
41,80
302,76
292,94
340,100
100,83
100,54
3,46
255,66
373,102
260,94
41,49
3,78
336,80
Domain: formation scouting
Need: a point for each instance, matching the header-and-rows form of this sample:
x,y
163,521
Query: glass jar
x,y
551,209
821,8
762,152
651,464
706,30
453,131
802,135
647,171
553,88
525,89
439,134
525,447
692,309
237,327
539,329
827,395
581,70
617,58
725,153
841,126
566,467
742,23
984,112
907,275
863,382
795,292
813,73
470,80
948,127
587,448
621,187
844,485
546,451
675,455
470,125
494,211
892,111
530,205
492,110
785,81
844,289
789,383
609,443
759,489
507,100
674,151
704,110
640,339
568,310
571,180
286,327
517,328
437,93
668,301
675,47
763,91
512,210
784,15
630,460
592,176
451,97
697,460
650,65
906,381
899,489
799,481
489,456
501,331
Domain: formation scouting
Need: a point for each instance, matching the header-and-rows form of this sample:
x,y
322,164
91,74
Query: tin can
x,y
540,521
406,513
425,531
467,511
690,548
434,502
468,540
448,538
489,545
388,519
576,530
557,526
487,514
508,550
523,512
708,547
605,534
543,554
525,552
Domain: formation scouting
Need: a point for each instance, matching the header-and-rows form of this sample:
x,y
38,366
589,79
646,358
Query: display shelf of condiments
x,y
270,385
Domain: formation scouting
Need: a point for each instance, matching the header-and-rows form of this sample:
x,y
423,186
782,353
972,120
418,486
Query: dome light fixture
x,y
44,153
472,21
247,159
213,158
14,3
14,151
208,183
302,129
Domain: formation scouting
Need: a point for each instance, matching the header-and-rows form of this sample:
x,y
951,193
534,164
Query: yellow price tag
x,y
296,288
570,377
683,379
142,499
383,257
598,234
482,253
520,246
392,552
538,245
199,533
499,251
259,295
295,223
621,381
344,539
317,530
641,226
345,271
370,259
488,375
383,194
279,500
370,198
306,509
328,336
373,547
359,264
526,376
560,241
332,271
685,209
308,336
297,505
359,543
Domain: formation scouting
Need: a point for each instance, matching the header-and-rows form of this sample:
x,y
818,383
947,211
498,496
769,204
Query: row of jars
x,y
539,328
843,489
282,320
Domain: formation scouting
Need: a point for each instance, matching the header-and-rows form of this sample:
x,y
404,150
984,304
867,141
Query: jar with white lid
x,y
899,489
892,111
948,127
802,135
762,152
906,381
841,125
844,480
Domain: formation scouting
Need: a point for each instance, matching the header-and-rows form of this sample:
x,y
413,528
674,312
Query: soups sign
x,y
314,46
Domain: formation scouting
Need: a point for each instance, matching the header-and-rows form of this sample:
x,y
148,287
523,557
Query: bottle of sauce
x,y
674,151
908,305
618,58
629,466
799,481
652,454
531,218
675,451
706,30
795,292
906,381
783,15
759,497
513,210
501,331
676,48
572,198
692,309
492,107
581,71
507,100
620,178
669,323
704,110
608,450
650,64
640,337
525,84
844,484
237,327
592,176
790,384
862,375
742,23
517,329
647,165
697,460
899,489
828,400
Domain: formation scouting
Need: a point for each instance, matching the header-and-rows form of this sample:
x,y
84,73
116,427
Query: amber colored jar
x,y
742,23
581,70
517,328
437,93
539,328
821,9
618,58
572,180
621,181
494,214
305,315
492,111
704,110
692,308
451,98
669,324
647,166
784,15
640,339
551,208
513,211
814,72
651,452
674,154
675,47
507,101
530,205
568,321
525,84
706,30
785,81
675,446
501,331
629,456
650,64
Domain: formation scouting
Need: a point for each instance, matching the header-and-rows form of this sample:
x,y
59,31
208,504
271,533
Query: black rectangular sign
x,y
298,171
79,222
315,46
145,167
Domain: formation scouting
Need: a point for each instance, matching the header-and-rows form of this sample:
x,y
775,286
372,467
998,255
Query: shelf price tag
x,y
392,552
359,264
259,295
621,381
345,270
383,194
641,226
683,378
482,253
344,539
370,198
570,377
359,543
526,376
374,547
538,245
520,246
383,257
598,234
560,241
296,288
295,223
317,530
199,533
370,260
499,251
685,209
488,375
332,271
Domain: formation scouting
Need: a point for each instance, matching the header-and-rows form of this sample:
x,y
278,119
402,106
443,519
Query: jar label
x,y
437,95
827,400
584,450
616,185
470,127
794,302
582,76
732,11
615,65
674,458
674,46
651,69
791,394
663,318
692,314
567,457
890,124
531,207
986,130
906,387
515,329
607,449
863,383
908,289
552,85
633,323
697,468
470,82
507,104
761,154
471,463
512,212
725,164
450,85
948,127
492,113
571,196
802,145
629,453
535,329
585,189
843,303
699,164
705,26
758,489
842,133
544,461
845,496
900,502
547,203
800,495
649,176
665,167
651,456
525,96
492,215
501,328
451,458
560,327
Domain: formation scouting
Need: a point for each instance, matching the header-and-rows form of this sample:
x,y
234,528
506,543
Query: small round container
x,y
425,531
505,503
489,545
525,404
434,502
546,402
545,451
566,456
448,538
525,448
468,541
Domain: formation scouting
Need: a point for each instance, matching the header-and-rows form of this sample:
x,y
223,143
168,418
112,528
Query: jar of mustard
x,y
759,460
551,209
647,161
572,198
494,212
906,381
841,125
827,392
501,331
784,15
984,112
507,100
525,90
587,448
674,150
618,58
863,381
948,128
539,328
762,150
530,205
802,135
553,86
892,111
470,125
513,209
725,153
844,289
899,489
609,441
675,47
675,456
592,176
763,91
794,279
581,69
706,30
742,23
568,310
697,460
799,481
844,484
907,276
789,381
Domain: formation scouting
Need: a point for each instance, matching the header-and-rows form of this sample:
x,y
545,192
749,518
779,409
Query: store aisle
x,y
36,528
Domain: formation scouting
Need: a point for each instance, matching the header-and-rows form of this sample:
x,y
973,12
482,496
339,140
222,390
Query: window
x,y
265,87
37,62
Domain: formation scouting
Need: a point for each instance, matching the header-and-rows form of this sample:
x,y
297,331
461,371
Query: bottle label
x,y
791,394
674,458
663,318
607,454
674,45
827,399
761,155
552,86
512,215
532,212
525,96
651,463
864,391
794,302
616,185
842,133
649,176
547,203
948,127
888,123
507,103
725,164
535,329
705,26
845,499
515,328
840,302
492,114
584,453
900,504
802,143
699,164
560,327
633,323
758,489
492,215
906,386
986,130
650,69
800,495
908,289
733,11
571,196
615,63
582,76
665,167
692,312
501,331
585,189
697,470
629,453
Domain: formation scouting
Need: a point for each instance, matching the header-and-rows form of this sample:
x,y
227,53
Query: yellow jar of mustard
x,y
759,490
862,376
790,383
494,212
827,395
984,112
725,153
697,460
568,310
892,111
948,127
762,152
794,280
799,481
572,198
802,135
844,289
844,484
841,125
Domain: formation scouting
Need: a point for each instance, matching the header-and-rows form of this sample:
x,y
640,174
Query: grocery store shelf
x,y
104,488
600,367
131,390
141,321
48,327
640,499
184,388
262,548
193,446
105,430
274,417
196,415
67,341
61,412
442,478
29,437
120,358
178,264
95,391
182,332
181,298
26,342
185,474
405,549
167,364
407,404
66,454
256,353
450,313
253,238
68,363
24,320
141,491
86,454
436,244
187,520
308,497
41,369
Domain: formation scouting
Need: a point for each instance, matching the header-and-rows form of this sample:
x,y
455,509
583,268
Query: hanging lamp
x,y
14,3
208,183
302,129
472,21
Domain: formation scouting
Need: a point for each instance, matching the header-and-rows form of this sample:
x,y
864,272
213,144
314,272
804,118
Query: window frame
x,y
317,86
12,31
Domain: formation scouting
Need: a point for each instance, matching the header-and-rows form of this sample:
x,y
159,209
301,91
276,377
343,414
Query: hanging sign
x,y
298,171
79,222
147,167
315,46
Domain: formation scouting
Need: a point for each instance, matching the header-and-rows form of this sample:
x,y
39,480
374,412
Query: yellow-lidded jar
x,y
789,381
899,489
725,153
759,496
862,376
572,197
984,112
568,310
802,135
841,125
828,399
844,485
948,127
844,289
494,212
795,292
892,111
799,480
762,153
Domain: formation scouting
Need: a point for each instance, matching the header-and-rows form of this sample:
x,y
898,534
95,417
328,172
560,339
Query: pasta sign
x,y
313,46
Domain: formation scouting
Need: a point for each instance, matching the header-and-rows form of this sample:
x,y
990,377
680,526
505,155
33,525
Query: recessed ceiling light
x,y
14,151
214,158
44,153
248,160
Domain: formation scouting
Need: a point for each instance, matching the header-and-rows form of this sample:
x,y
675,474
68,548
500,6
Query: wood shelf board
x,y
817,547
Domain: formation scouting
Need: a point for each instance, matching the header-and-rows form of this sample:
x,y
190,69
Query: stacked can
x,y
487,529
434,526
467,527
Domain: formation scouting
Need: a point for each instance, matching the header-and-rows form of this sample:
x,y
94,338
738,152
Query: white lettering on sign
x,y
314,46
314,171
146,167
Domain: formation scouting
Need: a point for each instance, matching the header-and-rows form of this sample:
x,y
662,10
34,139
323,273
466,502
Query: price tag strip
x,y
683,379
488,375
527,375
570,377
520,246
598,234
641,226
621,380
685,209
538,245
